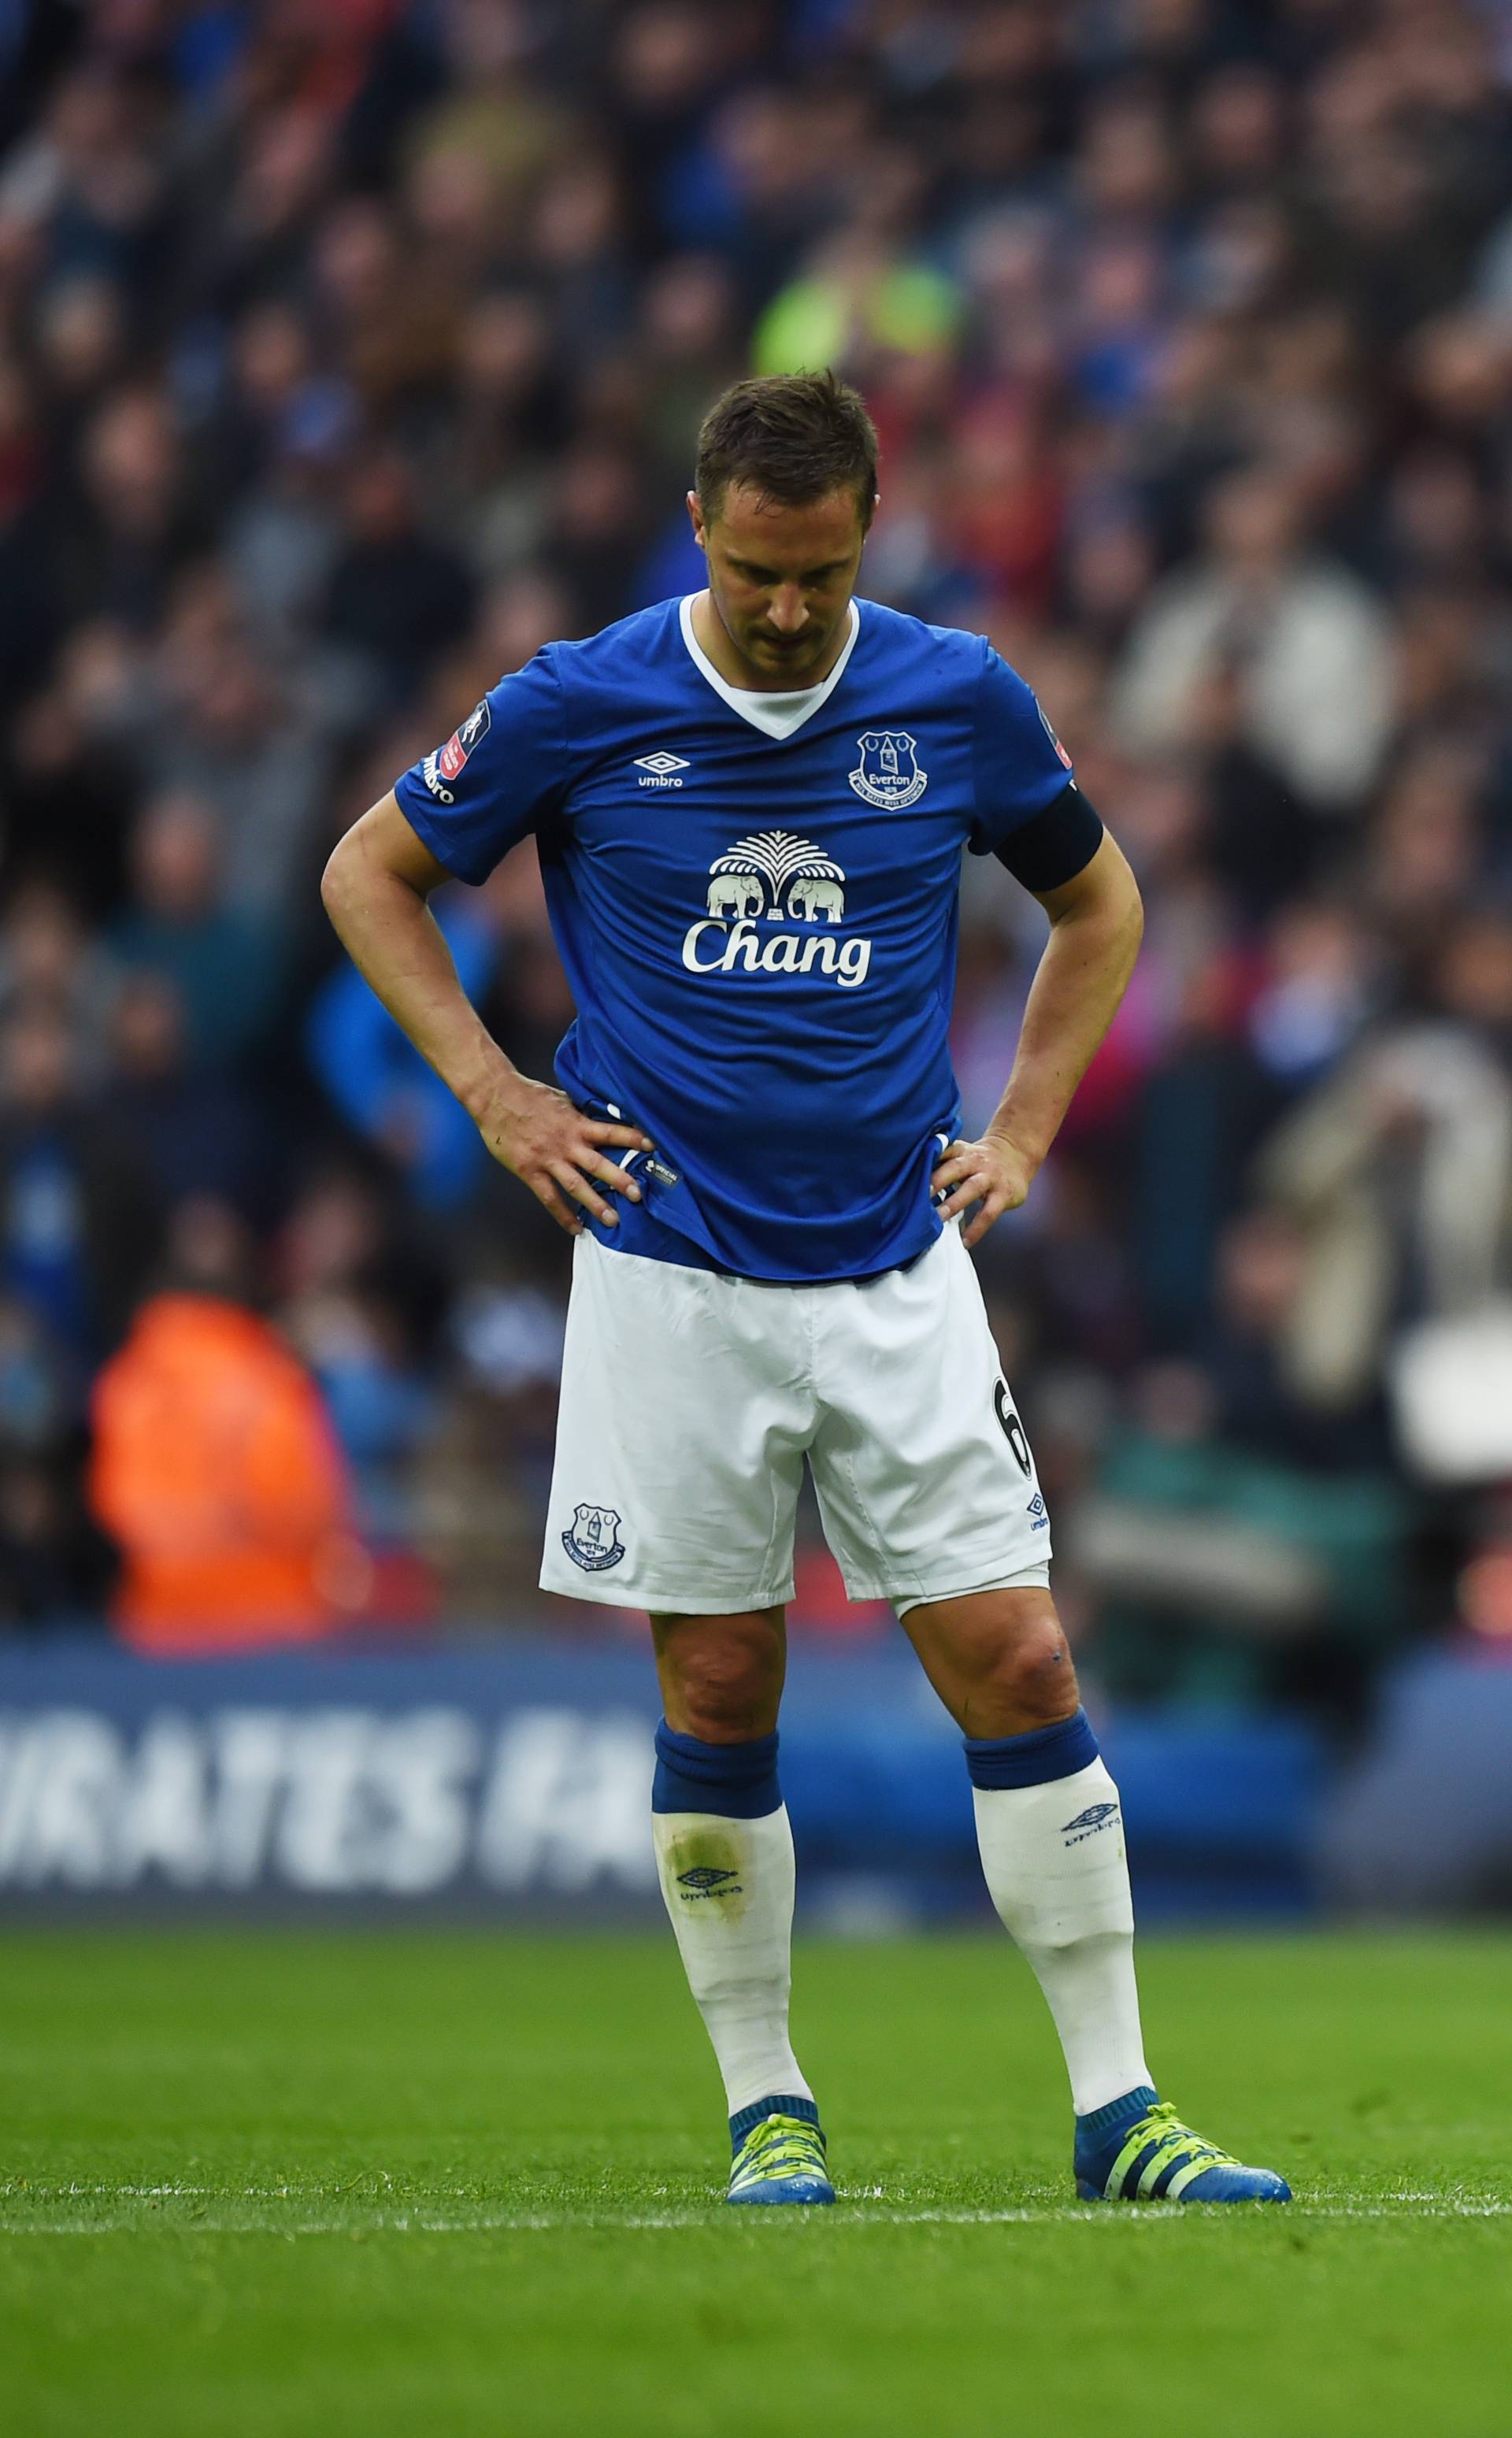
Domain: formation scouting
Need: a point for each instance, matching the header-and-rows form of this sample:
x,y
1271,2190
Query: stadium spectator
x,y
78,1227
215,1466
223,966
197,1132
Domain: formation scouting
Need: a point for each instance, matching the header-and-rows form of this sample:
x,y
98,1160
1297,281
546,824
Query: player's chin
x,y
792,658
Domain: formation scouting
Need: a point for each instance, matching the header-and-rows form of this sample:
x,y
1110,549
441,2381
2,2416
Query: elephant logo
x,y
773,873
734,894
592,1539
889,774
812,900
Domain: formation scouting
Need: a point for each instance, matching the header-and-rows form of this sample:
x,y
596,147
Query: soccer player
x,y
750,807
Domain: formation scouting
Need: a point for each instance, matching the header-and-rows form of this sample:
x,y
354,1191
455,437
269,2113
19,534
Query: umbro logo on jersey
x,y
661,769
775,877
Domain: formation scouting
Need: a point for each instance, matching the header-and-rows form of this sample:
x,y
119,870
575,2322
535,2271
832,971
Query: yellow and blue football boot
x,y
779,2154
1137,2150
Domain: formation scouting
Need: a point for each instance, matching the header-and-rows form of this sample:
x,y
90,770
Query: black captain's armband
x,y
1052,849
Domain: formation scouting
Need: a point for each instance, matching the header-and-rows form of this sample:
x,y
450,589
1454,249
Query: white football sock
x,y
1058,1875
728,1887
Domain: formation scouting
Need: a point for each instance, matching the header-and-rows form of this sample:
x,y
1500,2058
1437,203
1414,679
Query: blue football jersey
x,y
755,900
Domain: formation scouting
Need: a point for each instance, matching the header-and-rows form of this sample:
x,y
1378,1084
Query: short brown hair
x,y
792,436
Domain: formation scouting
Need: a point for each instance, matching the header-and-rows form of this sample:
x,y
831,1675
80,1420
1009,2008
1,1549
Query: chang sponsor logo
x,y
776,877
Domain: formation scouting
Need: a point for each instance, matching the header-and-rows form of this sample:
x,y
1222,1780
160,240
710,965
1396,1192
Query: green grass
x,y
463,2183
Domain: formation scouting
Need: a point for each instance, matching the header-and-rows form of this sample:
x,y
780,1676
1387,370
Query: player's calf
x,y
724,1858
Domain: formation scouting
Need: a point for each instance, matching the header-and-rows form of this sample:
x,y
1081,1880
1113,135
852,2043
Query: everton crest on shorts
x,y
592,1539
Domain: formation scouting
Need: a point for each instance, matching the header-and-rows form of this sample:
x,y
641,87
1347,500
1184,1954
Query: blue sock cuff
x,y
737,1781
747,2118
1033,1759
1099,2122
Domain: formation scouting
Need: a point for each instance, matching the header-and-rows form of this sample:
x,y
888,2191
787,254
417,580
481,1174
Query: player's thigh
x,y
924,1473
680,1435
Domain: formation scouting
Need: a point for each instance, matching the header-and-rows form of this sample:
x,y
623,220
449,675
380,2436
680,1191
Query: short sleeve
x,y
491,784
1019,764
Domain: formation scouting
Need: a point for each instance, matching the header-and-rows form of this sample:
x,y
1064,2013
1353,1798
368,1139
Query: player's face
x,y
782,579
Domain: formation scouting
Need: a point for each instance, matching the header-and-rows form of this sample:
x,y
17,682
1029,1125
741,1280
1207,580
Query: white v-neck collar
x,y
774,715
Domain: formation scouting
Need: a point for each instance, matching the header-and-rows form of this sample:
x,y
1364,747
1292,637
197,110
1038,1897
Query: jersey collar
x,y
774,715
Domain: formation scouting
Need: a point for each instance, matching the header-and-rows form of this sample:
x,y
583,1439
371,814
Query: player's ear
x,y
697,514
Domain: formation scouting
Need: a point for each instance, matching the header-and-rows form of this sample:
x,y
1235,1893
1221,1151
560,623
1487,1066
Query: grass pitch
x,y
462,2183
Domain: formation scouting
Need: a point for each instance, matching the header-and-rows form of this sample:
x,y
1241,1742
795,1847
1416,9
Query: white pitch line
x,y
1402,2207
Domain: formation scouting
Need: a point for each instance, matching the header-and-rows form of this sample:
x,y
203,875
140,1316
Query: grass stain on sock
x,y
708,1867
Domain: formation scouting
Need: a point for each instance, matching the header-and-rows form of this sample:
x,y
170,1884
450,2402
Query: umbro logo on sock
x,y
1086,1823
706,1881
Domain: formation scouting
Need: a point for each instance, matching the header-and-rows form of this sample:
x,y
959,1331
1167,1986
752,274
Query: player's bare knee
x,y
725,1704
1041,1674
1031,1683
721,1682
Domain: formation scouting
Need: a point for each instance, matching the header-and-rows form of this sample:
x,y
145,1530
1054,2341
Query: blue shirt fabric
x,y
759,931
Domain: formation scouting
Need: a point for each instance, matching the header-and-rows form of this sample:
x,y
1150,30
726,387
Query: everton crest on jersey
x,y
754,897
888,772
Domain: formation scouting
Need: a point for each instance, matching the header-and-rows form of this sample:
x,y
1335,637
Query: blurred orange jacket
x,y
216,1471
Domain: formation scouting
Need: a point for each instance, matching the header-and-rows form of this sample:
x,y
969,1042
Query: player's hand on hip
x,y
564,1158
993,1174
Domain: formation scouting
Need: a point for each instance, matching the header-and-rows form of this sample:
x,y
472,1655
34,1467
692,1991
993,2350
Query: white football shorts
x,y
690,1400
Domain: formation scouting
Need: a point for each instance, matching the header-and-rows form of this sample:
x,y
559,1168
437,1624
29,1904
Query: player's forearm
x,y
395,942
1082,978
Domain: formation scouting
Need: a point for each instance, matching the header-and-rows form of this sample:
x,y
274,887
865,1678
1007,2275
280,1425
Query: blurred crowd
x,y
350,351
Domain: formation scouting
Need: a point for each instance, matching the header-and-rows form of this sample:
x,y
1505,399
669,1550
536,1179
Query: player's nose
x,y
788,610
